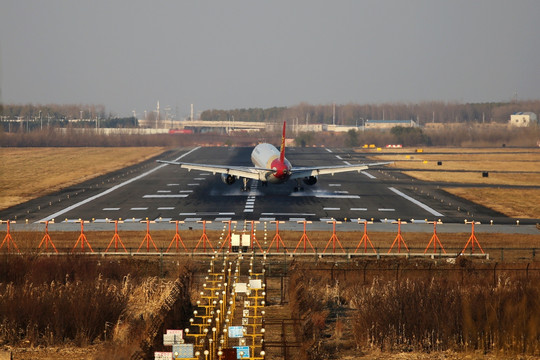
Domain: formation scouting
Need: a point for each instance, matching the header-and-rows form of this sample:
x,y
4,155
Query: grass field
x,y
505,166
27,173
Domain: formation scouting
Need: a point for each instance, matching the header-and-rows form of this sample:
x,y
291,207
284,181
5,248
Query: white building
x,y
523,119
388,124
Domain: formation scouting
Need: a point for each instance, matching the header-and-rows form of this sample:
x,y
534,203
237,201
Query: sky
x,y
215,54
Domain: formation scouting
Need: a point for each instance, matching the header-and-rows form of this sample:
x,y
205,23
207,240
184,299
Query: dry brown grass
x,y
467,167
27,173
519,203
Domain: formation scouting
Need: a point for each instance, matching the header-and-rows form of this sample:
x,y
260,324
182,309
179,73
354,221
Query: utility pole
x,y
157,118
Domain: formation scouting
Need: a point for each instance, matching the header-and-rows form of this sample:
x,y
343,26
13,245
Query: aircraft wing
x,y
239,171
301,172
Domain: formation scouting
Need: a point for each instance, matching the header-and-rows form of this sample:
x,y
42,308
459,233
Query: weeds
x,y
51,301
419,306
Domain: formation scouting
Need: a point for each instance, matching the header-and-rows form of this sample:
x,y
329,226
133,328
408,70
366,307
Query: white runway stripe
x,y
337,196
163,196
368,175
108,191
414,201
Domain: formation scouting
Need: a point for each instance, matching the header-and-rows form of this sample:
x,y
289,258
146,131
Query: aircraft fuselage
x,y
267,156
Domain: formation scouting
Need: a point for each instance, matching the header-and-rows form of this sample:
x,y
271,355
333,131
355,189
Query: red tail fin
x,y
282,150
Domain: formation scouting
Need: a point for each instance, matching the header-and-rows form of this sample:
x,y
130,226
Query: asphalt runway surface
x,y
164,193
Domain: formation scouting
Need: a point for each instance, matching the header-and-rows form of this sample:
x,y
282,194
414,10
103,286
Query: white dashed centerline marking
x,y
250,202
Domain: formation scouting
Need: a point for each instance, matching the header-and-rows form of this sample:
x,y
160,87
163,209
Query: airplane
x,y
271,166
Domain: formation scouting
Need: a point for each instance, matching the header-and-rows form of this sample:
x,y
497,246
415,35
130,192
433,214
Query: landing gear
x,y
298,187
245,186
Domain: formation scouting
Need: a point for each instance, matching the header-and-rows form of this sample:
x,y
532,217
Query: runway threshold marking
x,y
414,201
108,191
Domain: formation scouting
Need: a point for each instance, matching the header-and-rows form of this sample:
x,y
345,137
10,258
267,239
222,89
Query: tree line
x,y
355,114
344,114
53,111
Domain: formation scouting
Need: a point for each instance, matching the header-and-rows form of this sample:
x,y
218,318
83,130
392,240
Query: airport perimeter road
x,y
167,192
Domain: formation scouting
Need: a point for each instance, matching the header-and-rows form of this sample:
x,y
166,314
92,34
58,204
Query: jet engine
x,y
311,180
228,179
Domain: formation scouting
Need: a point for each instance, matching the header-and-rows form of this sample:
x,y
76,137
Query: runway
x,y
166,192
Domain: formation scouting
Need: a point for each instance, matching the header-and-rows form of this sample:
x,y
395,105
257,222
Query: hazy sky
x,y
128,54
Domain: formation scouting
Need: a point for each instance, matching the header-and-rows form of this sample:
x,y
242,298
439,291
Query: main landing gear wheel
x,y
245,187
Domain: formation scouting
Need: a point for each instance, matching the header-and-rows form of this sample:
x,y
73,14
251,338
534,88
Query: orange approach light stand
x,y
204,239
277,238
147,238
228,238
177,238
399,239
472,240
254,238
47,239
365,240
333,238
435,240
304,238
82,239
8,240
116,239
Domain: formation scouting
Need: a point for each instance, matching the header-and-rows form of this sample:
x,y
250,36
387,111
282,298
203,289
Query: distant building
x,y
388,124
523,119
340,128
